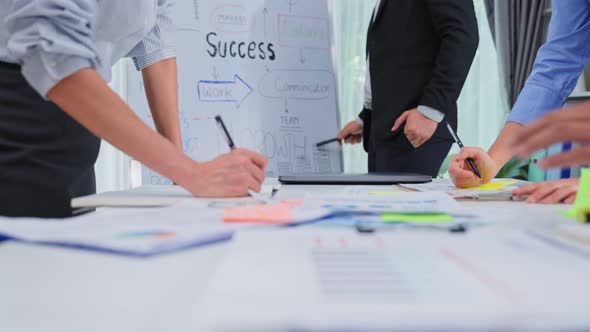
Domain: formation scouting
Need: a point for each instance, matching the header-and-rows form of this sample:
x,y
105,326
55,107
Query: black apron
x,y
46,157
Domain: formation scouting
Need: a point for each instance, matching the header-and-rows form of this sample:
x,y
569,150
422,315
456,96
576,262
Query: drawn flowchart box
x,y
304,32
297,84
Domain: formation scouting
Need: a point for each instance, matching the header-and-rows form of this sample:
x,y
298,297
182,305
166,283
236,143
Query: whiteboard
x,y
265,66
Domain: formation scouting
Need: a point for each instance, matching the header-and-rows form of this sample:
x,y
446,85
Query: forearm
x,y
500,152
88,99
161,87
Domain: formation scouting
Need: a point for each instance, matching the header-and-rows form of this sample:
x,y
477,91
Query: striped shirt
x,y
52,39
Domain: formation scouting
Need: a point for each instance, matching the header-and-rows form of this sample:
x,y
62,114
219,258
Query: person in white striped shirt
x,y
55,104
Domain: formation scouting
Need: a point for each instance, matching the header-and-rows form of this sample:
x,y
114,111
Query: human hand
x,y
461,172
571,124
352,133
418,129
230,175
552,192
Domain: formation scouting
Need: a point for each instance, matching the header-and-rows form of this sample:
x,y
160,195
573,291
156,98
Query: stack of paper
x,y
497,189
402,202
157,196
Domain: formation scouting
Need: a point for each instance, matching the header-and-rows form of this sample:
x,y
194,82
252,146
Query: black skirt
x,y
46,157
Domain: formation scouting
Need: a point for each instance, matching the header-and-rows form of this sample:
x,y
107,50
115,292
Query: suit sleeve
x,y
456,25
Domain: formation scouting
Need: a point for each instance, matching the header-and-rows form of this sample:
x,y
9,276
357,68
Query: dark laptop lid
x,y
352,179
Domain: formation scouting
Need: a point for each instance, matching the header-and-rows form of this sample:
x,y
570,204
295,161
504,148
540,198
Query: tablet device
x,y
355,179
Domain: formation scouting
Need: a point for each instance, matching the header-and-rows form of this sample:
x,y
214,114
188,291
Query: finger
x,y
342,134
571,199
251,183
400,121
574,114
552,133
255,171
541,193
460,172
416,143
578,156
258,159
559,195
526,190
465,153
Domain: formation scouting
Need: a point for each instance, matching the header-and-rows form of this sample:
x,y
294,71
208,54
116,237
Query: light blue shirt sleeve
x,y
559,62
159,44
51,39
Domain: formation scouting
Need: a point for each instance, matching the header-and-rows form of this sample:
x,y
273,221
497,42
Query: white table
x,y
53,289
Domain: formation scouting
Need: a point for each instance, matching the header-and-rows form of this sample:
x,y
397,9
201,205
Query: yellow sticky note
x,y
416,218
583,198
491,186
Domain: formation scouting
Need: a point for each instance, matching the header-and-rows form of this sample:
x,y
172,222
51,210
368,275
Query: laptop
x,y
355,179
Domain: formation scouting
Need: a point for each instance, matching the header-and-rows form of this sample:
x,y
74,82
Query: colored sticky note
x,y
416,218
268,214
293,202
491,186
582,199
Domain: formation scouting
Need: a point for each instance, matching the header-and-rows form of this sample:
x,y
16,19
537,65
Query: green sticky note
x,y
583,197
416,218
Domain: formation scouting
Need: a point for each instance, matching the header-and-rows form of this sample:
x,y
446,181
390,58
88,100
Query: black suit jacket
x,y
420,54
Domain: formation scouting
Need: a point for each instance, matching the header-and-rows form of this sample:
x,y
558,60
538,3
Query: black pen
x,y
322,143
230,142
232,146
469,160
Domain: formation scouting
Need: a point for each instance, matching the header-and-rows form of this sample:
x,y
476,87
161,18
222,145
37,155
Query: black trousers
x,y
46,158
401,156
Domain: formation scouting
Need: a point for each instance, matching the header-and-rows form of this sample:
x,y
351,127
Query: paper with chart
x,y
135,232
266,67
328,280
351,201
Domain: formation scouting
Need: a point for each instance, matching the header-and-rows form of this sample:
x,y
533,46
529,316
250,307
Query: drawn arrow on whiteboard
x,y
235,91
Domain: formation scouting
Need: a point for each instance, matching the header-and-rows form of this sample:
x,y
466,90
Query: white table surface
x,y
54,289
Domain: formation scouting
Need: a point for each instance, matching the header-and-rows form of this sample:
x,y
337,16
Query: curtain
x,y
482,104
519,28
351,20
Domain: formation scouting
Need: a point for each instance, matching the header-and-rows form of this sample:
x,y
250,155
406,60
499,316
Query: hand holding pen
x,y
458,141
254,165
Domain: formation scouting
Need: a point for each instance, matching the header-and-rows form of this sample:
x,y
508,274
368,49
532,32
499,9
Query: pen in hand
x,y
232,146
469,160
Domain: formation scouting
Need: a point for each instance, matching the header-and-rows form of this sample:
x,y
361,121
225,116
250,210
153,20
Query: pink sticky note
x,y
293,202
267,214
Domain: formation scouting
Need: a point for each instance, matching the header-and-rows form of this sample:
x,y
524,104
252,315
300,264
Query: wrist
x,y
183,171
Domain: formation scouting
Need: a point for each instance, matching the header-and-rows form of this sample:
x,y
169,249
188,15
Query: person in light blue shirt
x,y
55,105
559,64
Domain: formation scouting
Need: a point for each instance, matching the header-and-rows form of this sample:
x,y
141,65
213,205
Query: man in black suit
x,y
419,53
